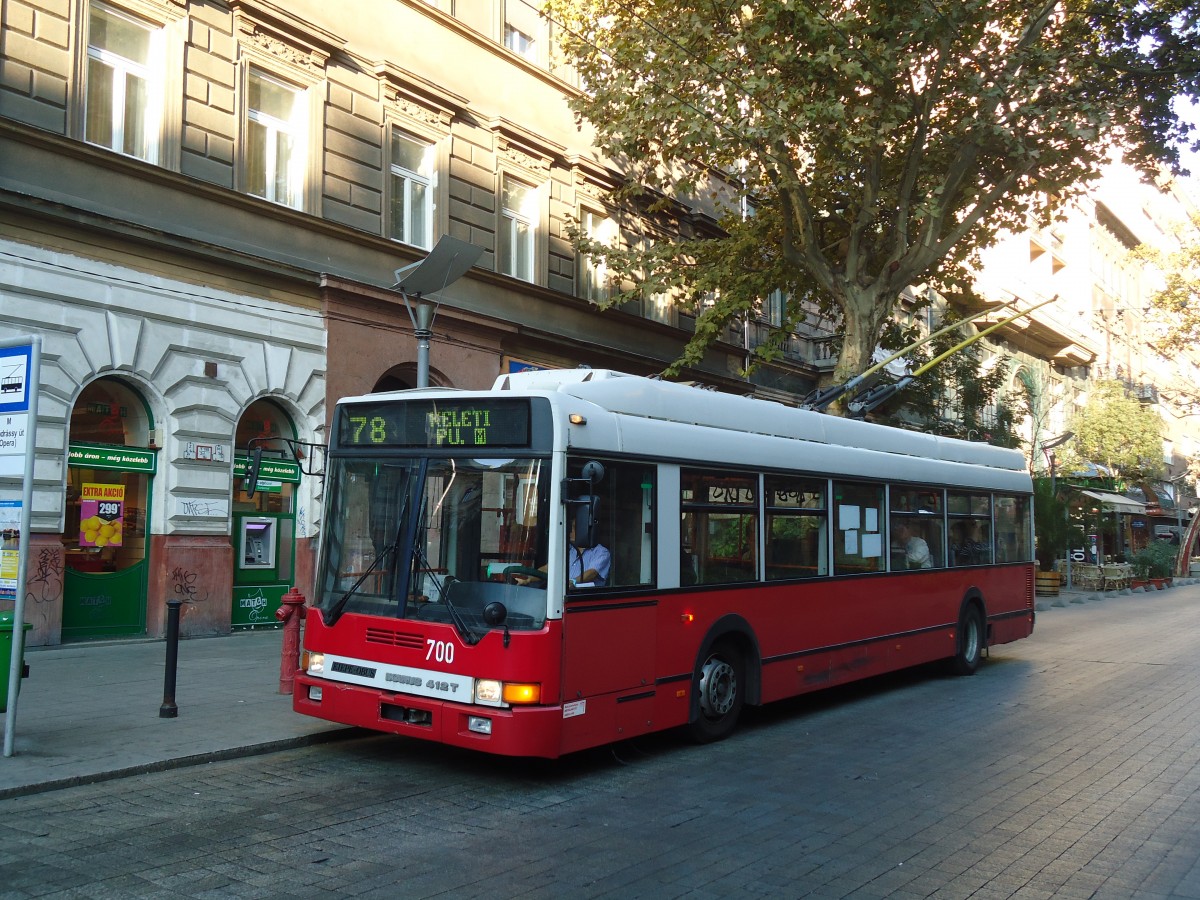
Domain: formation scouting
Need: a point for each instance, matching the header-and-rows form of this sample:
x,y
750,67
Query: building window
x,y
122,103
520,43
658,307
774,307
274,153
518,228
521,28
413,180
656,304
594,281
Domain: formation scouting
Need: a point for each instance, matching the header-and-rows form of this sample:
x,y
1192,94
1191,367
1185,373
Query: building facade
x,y
202,206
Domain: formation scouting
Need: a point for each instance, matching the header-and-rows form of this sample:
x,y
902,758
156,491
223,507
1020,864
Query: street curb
x,y
164,765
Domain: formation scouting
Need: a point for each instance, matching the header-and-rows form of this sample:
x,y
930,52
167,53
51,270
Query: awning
x,y
1117,502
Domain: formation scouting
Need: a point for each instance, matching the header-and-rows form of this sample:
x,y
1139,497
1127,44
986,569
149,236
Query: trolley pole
x,y
169,710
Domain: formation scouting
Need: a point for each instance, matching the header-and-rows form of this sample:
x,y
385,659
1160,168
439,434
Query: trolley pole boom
x,y
820,400
868,400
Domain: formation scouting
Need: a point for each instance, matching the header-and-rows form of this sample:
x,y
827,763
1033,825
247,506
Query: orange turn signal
x,y
522,693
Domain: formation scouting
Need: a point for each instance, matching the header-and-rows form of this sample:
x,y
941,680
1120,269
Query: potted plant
x,y
1153,564
1141,569
1049,519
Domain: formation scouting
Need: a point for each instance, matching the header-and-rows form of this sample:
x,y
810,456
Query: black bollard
x,y
169,710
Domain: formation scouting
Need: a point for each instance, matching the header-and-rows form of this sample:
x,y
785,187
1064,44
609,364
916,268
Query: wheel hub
x,y
971,640
718,688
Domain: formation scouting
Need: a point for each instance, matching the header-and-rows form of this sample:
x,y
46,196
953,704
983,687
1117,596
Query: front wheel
x,y
720,682
968,642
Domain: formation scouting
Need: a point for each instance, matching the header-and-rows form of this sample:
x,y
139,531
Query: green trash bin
x,y
6,649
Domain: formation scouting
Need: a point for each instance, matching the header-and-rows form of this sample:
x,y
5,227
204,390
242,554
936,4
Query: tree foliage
x,y
1153,51
879,144
1115,430
1176,305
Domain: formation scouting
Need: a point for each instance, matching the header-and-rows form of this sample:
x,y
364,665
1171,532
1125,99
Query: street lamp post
x,y
1175,484
1052,458
448,261
422,312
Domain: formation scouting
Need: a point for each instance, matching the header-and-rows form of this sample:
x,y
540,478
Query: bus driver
x,y
589,565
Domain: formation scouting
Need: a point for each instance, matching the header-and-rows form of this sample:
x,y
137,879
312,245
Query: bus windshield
x,y
437,539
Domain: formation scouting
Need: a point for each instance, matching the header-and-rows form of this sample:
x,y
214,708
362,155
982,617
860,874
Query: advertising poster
x,y
101,515
10,547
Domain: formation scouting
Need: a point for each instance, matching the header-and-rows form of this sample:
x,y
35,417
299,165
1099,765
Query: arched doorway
x,y
398,378
264,525
111,463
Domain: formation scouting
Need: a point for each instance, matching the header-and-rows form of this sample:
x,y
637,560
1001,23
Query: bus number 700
x,y
439,651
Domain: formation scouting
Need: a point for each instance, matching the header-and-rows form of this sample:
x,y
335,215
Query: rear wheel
x,y
969,641
720,682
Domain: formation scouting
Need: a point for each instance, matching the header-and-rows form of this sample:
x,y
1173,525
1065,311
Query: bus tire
x,y
720,682
968,641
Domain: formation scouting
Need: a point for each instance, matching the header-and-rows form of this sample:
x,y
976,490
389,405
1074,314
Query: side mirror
x,y
586,515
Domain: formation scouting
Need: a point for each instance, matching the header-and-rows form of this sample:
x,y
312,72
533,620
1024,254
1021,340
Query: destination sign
x,y
449,424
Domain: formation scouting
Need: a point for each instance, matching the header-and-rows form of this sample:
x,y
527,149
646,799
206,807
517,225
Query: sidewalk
x,y
89,712
1065,597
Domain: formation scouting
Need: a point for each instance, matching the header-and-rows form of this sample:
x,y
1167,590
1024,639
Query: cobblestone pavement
x,y
1068,767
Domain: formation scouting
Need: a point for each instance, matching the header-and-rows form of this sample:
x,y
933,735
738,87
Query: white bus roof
x,y
738,421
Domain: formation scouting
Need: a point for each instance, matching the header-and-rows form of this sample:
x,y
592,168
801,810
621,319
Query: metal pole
x,y
1176,483
1070,549
422,318
169,710
422,359
33,383
1054,497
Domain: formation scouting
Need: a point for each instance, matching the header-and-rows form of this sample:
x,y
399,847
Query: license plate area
x,y
406,714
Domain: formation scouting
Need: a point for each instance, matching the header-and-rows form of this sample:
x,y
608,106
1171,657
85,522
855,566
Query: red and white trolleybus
x,y
579,557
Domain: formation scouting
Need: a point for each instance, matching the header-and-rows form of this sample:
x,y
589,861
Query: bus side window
x,y
626,525
857,528
797,527
970,541
921,513
720,524
1013,523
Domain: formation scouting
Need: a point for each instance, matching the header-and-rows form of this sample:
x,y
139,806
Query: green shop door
x,y
264,544
105,538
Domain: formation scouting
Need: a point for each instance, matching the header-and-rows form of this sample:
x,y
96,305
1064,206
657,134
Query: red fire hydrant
x,y
291,614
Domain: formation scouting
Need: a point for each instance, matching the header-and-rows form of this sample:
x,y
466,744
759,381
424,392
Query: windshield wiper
x,y
338,608
469,636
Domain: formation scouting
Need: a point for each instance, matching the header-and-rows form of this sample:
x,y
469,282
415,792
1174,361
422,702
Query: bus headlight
x,y
490,692
312,663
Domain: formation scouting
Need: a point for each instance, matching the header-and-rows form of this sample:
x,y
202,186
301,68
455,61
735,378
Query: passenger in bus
x,y
916,550
967,544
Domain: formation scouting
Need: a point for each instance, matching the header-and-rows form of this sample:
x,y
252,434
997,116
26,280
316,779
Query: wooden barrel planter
x,y
1047,584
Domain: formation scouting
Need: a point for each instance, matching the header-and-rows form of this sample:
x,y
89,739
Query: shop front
x,y
264,523
109,486
264,542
